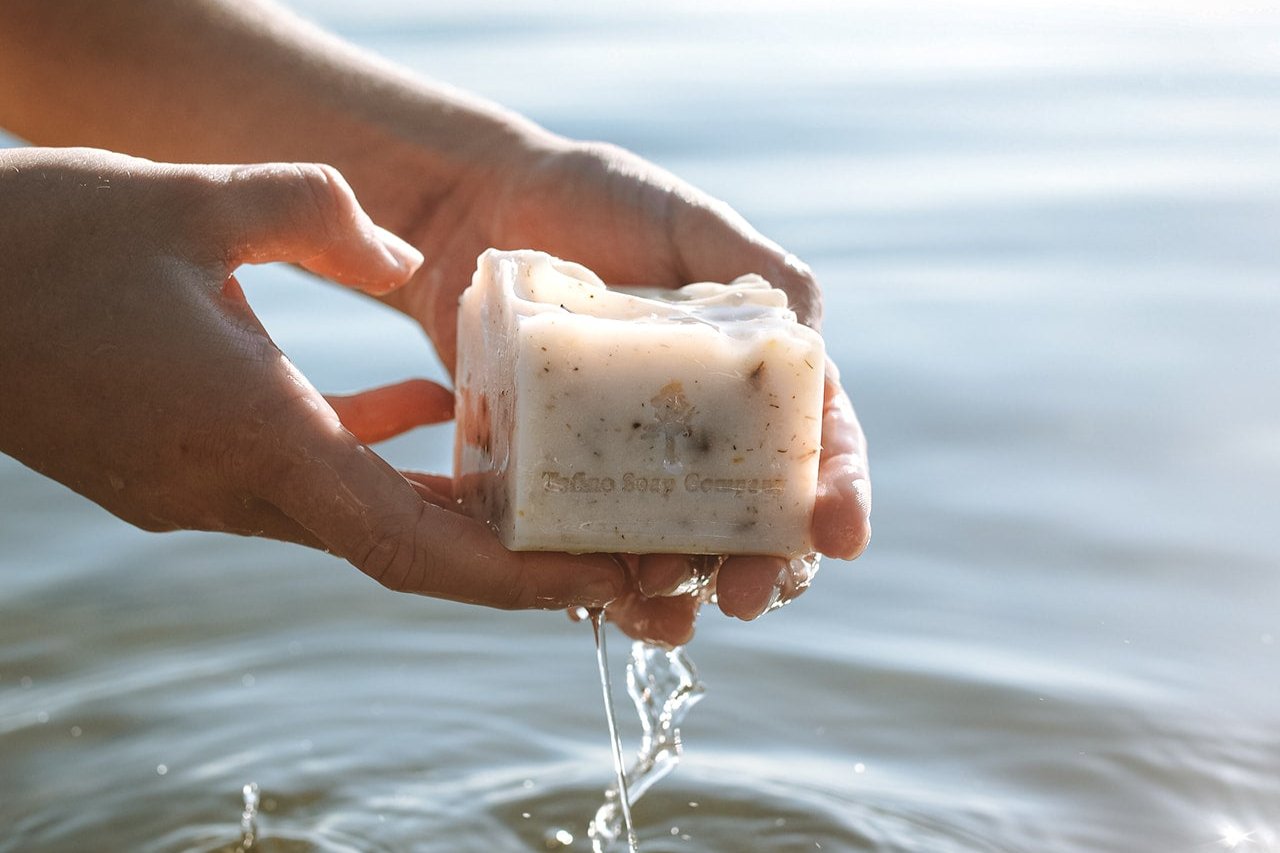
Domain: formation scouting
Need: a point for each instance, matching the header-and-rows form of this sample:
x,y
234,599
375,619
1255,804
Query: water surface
x,y
1050,239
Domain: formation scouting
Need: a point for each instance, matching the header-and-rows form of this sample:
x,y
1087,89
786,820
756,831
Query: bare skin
x,y
136,373
450,173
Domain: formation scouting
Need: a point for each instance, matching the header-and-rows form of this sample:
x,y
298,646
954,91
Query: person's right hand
x,y
634,223
133,371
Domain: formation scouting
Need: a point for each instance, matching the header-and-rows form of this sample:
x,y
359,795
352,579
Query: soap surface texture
x,y
635,420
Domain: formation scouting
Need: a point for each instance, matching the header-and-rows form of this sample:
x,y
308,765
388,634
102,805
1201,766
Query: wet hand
x,y
133,370
632,222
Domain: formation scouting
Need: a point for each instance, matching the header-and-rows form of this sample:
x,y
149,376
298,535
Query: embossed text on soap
x,y
553,482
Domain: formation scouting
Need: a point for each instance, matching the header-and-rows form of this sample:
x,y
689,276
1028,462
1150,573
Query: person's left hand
x,y
133,370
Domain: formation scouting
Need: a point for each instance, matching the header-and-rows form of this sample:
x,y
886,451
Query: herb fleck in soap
x,y
639,421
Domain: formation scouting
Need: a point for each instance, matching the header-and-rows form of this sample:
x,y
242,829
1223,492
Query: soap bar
x,y
597,419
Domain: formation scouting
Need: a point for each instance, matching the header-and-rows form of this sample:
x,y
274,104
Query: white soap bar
x,y
635,421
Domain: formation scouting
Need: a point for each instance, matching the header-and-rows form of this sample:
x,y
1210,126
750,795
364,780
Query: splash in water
x,y
663,685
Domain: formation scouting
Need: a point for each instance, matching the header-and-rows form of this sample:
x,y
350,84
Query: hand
x,y
454,173
633,223
133,370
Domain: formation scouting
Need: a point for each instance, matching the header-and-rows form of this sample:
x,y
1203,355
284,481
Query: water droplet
x,y
556,839
42,717
162,769
802,571
249,817
252,797
76,731
859,768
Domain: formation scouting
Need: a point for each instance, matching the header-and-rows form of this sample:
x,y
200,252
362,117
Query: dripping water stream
x,y
663,685
618,794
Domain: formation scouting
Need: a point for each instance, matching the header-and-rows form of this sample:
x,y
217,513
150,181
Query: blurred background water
x,y
1049,234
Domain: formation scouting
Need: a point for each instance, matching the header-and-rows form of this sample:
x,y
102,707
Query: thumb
x,y
306,213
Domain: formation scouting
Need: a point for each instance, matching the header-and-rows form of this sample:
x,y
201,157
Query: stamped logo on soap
x,y
672,416
669,425
554,482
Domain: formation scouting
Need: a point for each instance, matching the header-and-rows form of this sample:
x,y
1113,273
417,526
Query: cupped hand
x,y
634,223
133,370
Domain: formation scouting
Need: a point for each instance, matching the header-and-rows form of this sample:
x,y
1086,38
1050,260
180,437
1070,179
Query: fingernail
x,y
404,257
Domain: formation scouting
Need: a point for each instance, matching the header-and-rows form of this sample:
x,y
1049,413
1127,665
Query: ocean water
x,y
1049,234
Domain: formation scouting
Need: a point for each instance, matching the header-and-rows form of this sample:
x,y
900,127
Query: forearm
x,y
222,81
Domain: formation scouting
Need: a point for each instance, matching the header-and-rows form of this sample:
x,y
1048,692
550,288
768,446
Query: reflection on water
x,y
1050,237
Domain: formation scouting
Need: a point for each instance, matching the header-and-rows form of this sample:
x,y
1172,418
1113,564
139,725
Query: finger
x,y
381,413
747,586
842,504
364,511
433,488
437,483
667,621
430,496
663,574
715,243
306,213
255,517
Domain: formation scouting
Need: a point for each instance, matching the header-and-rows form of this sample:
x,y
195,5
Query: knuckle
x,y
191,198
515,595
190,189
326,197
392,557
383,561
